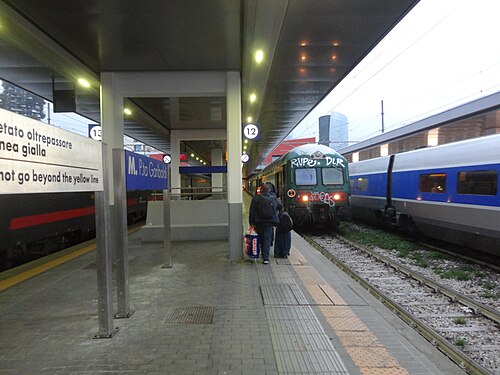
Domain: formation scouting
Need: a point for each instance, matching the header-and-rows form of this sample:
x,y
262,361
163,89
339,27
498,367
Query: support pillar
x,y
112,135
234,172
217,183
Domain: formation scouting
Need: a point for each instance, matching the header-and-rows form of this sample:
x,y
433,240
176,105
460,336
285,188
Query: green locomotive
x,y
312,182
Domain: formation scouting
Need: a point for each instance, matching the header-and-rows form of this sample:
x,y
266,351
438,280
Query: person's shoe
x,y
266,262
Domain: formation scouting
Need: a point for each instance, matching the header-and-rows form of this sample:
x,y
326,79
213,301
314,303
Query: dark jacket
x,y
253,216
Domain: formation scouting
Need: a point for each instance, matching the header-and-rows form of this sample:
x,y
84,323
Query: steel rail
x,y
477,307
457,356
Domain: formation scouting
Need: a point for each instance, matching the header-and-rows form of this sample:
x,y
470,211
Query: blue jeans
x,y
265,232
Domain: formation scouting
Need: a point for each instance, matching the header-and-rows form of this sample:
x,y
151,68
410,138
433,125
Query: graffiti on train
x,y
327,162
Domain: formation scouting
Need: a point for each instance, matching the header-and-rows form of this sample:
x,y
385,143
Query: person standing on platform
x,y
263,216
283,238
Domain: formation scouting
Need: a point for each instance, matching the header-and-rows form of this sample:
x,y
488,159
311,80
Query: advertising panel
x,y
36,157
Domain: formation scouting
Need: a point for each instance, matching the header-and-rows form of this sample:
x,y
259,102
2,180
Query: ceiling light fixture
x,y
259,56
127,111
83,82
253,98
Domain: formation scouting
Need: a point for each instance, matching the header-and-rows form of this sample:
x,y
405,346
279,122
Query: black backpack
x,y
266,207
286,222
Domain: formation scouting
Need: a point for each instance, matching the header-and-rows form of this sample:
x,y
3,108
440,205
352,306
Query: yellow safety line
x,y
44,267
382,360
16,279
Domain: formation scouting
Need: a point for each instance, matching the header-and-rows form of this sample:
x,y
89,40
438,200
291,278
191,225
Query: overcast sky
x,y
442,54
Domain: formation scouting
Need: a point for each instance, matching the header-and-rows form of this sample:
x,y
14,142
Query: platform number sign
x,y
251,131
95,132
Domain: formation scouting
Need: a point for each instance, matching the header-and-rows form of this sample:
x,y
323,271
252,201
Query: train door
x,y
280,186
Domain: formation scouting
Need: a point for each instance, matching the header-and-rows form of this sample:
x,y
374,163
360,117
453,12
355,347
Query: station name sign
x,y
144,173
36,157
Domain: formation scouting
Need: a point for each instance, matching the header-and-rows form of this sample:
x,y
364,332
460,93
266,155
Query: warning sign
x,y
36,157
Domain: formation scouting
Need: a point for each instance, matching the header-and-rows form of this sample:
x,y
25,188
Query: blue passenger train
x,y
449,192
312,182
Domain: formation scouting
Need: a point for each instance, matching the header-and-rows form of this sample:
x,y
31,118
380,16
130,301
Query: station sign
x,y
251,132
245,158
36,157
95,132
144,173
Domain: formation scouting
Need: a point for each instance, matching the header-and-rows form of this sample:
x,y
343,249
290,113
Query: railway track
x,y
463,327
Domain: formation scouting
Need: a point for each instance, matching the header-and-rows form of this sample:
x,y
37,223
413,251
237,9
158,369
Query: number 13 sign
x,y
251,131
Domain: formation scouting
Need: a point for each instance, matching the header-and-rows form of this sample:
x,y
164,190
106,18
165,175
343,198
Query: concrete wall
x,y
191,220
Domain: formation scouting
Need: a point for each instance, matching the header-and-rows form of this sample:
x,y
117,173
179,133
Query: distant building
x,y
333,130
324,130
22,102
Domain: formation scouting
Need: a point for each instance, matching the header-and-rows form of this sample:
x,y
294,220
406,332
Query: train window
x,y
305,176
433,183
359,184
478,182
332,176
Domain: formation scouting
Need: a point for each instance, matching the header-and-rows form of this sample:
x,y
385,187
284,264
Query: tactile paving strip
x,y
309,276
278,294
384,371
358,338
332,294
374,357
300,344
369,355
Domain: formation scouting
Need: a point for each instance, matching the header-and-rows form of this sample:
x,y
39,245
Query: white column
x,y
234,172
216,157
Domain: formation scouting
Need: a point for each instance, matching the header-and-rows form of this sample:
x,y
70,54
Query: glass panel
x,y
359,184
433,183
478,182
332,176
305,176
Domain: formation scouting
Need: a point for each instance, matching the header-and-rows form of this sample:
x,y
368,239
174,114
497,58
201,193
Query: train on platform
x,y
312,182
38,224
35,225
447,192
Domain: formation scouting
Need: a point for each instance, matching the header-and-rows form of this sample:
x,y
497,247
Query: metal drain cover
x,y
190,315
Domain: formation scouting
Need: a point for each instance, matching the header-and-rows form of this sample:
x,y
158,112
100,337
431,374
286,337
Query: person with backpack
x,y
283,238
263,216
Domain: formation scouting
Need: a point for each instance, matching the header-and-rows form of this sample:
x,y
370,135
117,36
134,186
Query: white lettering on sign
x,y
308,162
131,166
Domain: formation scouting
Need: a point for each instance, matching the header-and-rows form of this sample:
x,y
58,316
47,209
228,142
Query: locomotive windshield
x,y
305,176
332,176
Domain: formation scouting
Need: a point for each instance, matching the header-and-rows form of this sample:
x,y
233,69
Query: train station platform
x,y
207,315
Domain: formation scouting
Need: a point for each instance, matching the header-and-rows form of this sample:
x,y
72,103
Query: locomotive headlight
x,y
305,198
336,197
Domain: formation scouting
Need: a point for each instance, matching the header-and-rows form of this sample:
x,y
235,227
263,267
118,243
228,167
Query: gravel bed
x,y
478,337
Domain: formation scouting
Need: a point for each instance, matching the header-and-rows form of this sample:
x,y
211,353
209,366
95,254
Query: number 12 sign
x,y
251,131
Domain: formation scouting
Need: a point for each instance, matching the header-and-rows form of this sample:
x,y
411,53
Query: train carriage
x,y
312,182
448,192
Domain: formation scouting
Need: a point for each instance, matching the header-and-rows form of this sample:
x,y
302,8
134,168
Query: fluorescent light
x,y
259,56
83,82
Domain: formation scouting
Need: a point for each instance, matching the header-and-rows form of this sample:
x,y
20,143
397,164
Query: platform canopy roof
x,y
308,47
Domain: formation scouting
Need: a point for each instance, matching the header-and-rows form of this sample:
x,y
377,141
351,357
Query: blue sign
x,y
203,170
143,173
